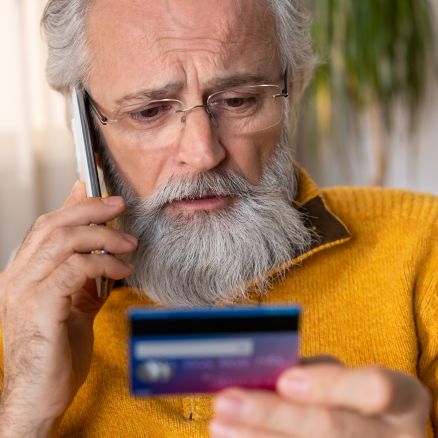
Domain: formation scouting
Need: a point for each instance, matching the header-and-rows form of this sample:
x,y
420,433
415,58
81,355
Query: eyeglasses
x,y
241,110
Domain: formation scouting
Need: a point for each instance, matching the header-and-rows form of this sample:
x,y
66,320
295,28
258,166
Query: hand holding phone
x,y
86,165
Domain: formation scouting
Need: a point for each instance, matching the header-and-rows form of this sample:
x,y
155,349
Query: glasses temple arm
x,y
285,91
100,116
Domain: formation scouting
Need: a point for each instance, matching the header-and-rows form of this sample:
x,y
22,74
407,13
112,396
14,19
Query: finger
x,y
71,276
78,192
85,239
88,211
254,409
223,429
267,412
351,426
371,390
65,241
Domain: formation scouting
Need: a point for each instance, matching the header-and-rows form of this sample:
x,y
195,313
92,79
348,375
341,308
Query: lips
x,y
208,202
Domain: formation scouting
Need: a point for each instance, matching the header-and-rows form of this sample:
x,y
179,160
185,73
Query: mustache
x,y
220,183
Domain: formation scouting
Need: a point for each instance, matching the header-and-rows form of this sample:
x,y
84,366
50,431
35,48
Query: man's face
x,y
188,49
211,207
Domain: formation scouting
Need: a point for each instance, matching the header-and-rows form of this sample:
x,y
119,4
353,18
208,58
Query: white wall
x,y
36,155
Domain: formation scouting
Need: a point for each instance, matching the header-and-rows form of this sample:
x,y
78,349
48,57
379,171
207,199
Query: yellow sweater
x,y
369,294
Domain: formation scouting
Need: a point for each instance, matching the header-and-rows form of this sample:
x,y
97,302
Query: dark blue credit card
x,y
206,350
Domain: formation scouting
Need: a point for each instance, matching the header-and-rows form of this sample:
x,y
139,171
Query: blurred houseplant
x,y
376,56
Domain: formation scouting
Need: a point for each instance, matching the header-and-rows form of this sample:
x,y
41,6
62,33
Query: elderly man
x,y
191,103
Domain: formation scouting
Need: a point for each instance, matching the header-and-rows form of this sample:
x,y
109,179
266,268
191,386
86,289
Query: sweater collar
x,y
328,230
318,217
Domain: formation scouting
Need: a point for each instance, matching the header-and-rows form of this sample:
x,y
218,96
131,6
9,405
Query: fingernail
x,y
295,384
220,430
113,200
229,405
130,238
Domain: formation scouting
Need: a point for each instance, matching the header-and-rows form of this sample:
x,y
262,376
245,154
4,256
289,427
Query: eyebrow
x,y
149,94
163,92
237,80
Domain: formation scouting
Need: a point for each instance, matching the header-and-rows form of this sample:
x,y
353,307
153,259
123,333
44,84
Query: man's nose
x,y
199,146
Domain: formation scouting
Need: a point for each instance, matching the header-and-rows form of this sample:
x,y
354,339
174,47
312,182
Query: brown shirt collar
x,y
317,215
327,229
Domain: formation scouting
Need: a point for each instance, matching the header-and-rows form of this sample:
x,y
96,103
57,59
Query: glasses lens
x,y
152,116
248,109
157,122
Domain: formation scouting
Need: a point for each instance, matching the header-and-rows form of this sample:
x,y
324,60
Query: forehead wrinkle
x,y
214,49
238,23
232,7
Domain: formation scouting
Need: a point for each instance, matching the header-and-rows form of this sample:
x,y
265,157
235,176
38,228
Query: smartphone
x,y
205,350
86,165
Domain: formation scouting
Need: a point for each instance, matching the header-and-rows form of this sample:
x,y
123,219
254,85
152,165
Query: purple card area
x,y
208,363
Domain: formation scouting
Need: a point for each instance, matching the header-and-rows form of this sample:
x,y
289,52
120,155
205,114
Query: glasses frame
x,y
107,121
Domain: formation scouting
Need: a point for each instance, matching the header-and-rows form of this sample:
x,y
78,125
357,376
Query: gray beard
x,y
210,257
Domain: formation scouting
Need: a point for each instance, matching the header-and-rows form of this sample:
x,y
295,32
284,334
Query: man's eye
x,y
237,102
151,113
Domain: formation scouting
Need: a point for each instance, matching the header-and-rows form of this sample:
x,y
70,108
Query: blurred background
x,y
370,116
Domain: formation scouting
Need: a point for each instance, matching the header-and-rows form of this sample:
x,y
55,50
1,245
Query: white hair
x,y
213,257
64,23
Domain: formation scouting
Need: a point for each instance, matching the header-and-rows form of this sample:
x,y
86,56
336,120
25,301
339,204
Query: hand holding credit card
x,y
206,350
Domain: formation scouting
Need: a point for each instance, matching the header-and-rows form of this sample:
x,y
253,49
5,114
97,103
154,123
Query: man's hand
x,y
48,303
326,400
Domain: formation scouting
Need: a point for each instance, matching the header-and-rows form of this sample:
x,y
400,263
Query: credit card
x,y
205,350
